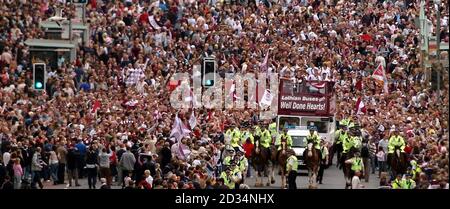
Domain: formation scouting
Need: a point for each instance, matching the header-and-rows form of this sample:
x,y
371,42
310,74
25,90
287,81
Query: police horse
x,y
398,162
260,161
312,160
346,167
336,148
282,159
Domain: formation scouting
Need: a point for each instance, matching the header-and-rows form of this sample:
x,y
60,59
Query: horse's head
x,y
310,146
397,151
283,147
257,144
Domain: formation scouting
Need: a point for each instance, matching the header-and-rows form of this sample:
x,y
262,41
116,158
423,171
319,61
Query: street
x,y
332,179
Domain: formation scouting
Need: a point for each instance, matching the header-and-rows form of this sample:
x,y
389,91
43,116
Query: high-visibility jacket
x,y
396,184
266,138
257,131
292,163
343,135
288,141
273,128
395,141
314,138
408,184
235,142
344,122
233,132
415,171
243,164
227,160
227,180
347,144
229,132
357,164
245,135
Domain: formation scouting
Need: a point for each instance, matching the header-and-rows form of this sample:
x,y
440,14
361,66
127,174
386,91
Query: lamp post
x,y
438,40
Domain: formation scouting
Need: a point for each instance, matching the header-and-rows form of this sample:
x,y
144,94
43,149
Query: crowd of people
x,y
108,114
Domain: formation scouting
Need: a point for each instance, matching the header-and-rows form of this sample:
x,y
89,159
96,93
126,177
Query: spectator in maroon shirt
x,y
248,148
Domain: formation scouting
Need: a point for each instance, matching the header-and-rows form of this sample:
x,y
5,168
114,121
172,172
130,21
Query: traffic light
x,y
208,72
39,72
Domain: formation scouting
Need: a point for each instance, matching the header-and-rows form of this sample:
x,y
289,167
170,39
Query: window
x,y
322,127
298,141
288,122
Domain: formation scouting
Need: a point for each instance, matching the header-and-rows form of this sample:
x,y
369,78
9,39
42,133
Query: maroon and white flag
x,y
179,130
380,75
360,107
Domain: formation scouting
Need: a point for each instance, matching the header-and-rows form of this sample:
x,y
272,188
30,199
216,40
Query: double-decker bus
x,y
307,103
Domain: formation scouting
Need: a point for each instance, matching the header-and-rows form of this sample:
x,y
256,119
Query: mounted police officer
x,y
341,135
356,162
246,134
285,136
266,138
313,137
395,141
347,145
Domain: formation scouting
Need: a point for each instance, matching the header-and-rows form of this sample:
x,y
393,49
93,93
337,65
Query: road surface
x,y
332,179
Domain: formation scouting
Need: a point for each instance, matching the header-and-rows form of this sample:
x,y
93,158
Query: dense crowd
x,y
107,113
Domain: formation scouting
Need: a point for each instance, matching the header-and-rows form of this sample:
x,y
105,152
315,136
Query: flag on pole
x,y
380,75
360,107
263,66
153,22
266,99
359,85
385,83
95,106
179,130
319,84
192,120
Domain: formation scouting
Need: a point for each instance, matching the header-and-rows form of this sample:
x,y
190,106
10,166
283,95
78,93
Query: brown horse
x,y
398,162
312,160
260,161
346,168
282,159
